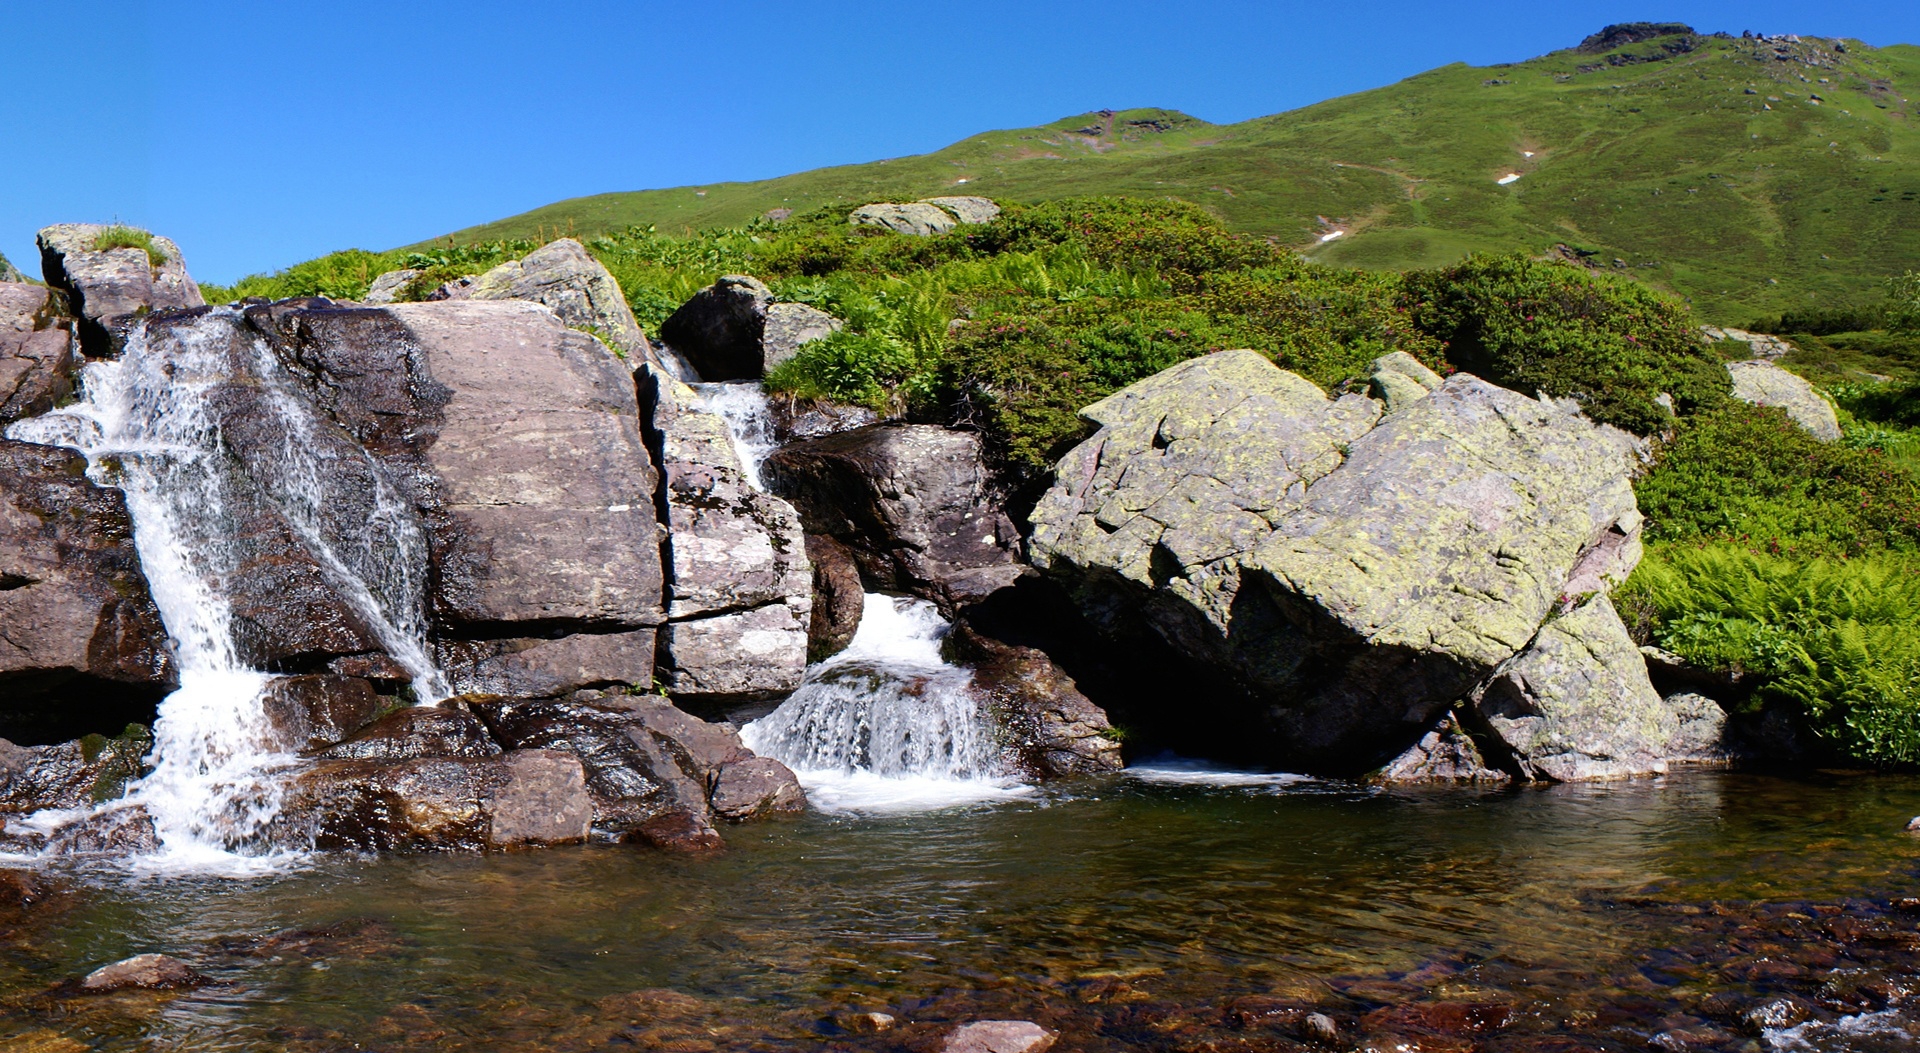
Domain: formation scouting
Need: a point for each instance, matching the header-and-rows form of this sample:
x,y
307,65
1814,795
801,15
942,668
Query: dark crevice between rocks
x,y
9,582
647,396
49,709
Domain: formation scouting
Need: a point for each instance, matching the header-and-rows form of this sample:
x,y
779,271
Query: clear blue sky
x,y
260,134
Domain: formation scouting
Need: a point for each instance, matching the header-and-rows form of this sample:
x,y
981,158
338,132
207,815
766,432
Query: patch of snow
x,y
1508,178
1330,235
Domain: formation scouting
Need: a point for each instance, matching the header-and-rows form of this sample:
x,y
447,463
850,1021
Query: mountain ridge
x,y
1749,174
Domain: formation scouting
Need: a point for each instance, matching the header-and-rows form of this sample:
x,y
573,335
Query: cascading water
x,y
149,426
743,405
887,725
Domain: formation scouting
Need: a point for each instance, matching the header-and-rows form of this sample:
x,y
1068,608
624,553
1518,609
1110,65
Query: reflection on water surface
x,y
1126,912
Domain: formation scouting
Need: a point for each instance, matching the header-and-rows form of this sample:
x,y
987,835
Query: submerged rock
x,y
155,972
83,646
739,587
38,353
1348,576
914,503
112,289
1764,384
999,1036
576,286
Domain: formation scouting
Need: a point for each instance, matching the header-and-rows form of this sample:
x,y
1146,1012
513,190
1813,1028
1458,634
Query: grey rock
x,y
457,289
1761,345
789,327
967,209
919,218
737,569
1577,704
796,419
914,503
38,353
576,286
999,1036
540,667
1447,754
120,831
1350,580
721,328
1400,380
750,654
1764,384
436,803
1701,734
10,273
309,712
81,630
388,286
756,787
112,290
154,972
414,732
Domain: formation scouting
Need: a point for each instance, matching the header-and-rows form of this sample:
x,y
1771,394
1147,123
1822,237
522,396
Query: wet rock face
x,y
839,599
562,276
655,773
83,642
1351,576
437,803
38,353
796,419
76,774
1048,728
913,503
308,712
111,290
415,732
548,668
738,581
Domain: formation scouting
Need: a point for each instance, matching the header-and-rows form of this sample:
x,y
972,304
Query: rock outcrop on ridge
x,y
1350,575
111,289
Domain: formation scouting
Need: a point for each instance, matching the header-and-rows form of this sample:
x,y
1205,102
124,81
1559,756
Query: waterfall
x,y
150,425
743,405
887,725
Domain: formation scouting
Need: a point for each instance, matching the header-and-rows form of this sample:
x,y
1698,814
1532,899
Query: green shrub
x,y
1327,325
1903,303
121,237
1838,639
862,368
1823,321
1750,475
1168,237
1554,327
336,276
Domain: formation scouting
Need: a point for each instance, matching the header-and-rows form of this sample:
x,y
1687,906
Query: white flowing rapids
x,y
887,725
148,427
743,405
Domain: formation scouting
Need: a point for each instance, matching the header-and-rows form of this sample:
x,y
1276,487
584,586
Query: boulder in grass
x,y
113,276
576,286
917,218
1764,384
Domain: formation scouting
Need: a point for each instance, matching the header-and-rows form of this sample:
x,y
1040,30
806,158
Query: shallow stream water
x,y
1159,909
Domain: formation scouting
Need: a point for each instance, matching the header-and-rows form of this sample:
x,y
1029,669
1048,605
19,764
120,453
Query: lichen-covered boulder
x,y
576,286
38,353
112,288
918,218
1576,705
967,209
914,503
389,285
82,641
1400,380
790,327
1351,576
1764,384
739,586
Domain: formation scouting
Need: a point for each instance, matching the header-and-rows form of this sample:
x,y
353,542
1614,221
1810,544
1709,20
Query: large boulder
x,y
516,441
38,353
733,329
437,803
652,770
1576,704
968,209
1348,576
83,647
917,218
1762,383
739,587
112,288
576,286
913,503
387,288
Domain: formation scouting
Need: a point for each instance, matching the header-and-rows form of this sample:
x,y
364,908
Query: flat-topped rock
x,y
111,288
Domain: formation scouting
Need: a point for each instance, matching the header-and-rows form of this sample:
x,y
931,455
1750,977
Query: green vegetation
x,y
1747,178
119,237
1903,303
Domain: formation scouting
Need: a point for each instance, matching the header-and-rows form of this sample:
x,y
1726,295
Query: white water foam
x,y
743,405
887,725
1168,770
1887,1031
147,426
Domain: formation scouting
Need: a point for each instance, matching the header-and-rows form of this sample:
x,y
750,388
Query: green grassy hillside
x,y
1750,176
